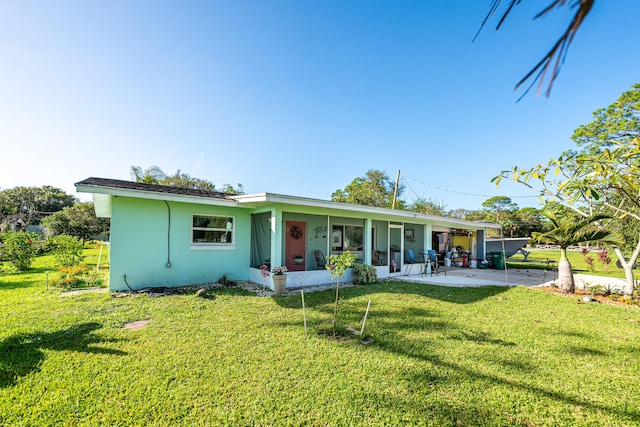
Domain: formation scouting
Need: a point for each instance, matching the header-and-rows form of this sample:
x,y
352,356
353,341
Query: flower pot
x,y
586,298
279,283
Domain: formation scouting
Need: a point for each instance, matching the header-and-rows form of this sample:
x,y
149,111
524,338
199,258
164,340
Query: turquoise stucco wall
x,y
139,245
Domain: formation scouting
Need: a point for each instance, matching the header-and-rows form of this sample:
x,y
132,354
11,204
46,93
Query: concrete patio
x,y
474,277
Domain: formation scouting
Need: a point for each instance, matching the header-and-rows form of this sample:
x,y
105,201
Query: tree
x,y
427,206
499,204
569,229
78,220
603,176
559,49
31,204
469,215
18,248
375,188
155,175
337,264
151,175
618,122
531,220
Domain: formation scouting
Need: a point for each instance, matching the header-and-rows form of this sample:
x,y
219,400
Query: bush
x,y
79,276
363,274
67,250
19,248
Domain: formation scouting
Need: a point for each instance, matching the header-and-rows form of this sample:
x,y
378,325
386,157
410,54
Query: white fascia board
x,y
153,195
260,198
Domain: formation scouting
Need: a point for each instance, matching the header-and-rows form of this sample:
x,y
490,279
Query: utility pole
x,y
395,191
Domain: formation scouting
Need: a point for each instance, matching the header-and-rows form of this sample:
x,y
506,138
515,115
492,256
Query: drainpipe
x,y
168,235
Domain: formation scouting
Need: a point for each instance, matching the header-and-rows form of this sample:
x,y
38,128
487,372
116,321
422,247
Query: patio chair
x,y
375,258
320,261
411,262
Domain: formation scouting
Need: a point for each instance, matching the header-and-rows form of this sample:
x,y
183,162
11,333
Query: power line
x,y
457,192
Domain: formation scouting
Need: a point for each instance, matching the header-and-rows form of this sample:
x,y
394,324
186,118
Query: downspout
x,y
168,235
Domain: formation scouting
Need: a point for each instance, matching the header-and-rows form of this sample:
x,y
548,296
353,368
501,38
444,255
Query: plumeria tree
x,y
601,176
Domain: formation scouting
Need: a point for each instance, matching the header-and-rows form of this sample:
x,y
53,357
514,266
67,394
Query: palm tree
x,y
151,175
568,231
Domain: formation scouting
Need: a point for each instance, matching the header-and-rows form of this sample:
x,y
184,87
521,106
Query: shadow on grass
x,y
21,354
442,293
394,325
447,372
33,277
10,281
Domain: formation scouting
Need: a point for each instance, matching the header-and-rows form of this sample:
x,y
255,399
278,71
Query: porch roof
x,y
260,199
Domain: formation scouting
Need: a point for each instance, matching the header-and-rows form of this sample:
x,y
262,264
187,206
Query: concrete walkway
x,y
474,277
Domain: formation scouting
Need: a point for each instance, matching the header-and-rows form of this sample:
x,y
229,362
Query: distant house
x,y
169,236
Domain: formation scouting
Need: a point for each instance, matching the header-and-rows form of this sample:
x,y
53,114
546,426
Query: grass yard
x,y
441,356
578,264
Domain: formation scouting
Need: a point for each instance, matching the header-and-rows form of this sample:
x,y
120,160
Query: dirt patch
x,y
82,291
134,326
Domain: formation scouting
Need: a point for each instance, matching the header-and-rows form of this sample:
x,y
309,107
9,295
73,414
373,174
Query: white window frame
x,y
208,246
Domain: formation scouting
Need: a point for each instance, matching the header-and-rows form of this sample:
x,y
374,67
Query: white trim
x,y
316,203
224,230
213,247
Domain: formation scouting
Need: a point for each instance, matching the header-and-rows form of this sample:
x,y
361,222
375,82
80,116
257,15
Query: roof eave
x,y
153,195
302,201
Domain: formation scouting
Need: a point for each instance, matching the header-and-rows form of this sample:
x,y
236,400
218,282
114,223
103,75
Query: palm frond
x,y
559,49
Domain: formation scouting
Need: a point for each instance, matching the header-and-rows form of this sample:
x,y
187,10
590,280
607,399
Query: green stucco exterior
x,y
142,245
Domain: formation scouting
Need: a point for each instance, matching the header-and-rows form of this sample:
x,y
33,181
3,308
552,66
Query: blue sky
x,y
298,97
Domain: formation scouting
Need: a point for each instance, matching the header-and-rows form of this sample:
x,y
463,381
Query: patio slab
x,y
474,277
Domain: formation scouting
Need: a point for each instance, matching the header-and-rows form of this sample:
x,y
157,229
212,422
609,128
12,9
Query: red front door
x,y
295,246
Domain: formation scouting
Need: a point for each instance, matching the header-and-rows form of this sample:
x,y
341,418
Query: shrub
x,y
67,250
19,248
588,258
363,274
79,276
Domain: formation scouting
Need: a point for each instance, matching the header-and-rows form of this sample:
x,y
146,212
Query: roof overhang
x,y
255,200
143,194
104,190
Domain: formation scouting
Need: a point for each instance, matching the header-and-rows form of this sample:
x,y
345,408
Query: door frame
x,y
399,227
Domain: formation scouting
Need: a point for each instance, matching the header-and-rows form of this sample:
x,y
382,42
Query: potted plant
x,y
590,291
298,259
279,279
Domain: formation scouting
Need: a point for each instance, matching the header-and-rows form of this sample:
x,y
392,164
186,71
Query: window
x,y
347,237
208,230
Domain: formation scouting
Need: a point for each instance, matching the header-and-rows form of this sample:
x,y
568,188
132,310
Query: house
x,y
169,236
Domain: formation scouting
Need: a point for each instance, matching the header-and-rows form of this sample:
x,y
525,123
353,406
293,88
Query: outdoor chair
x,y
320,261
411,262
375,258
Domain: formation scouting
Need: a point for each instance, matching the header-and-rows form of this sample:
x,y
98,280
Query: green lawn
x,y
441,356
578,264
